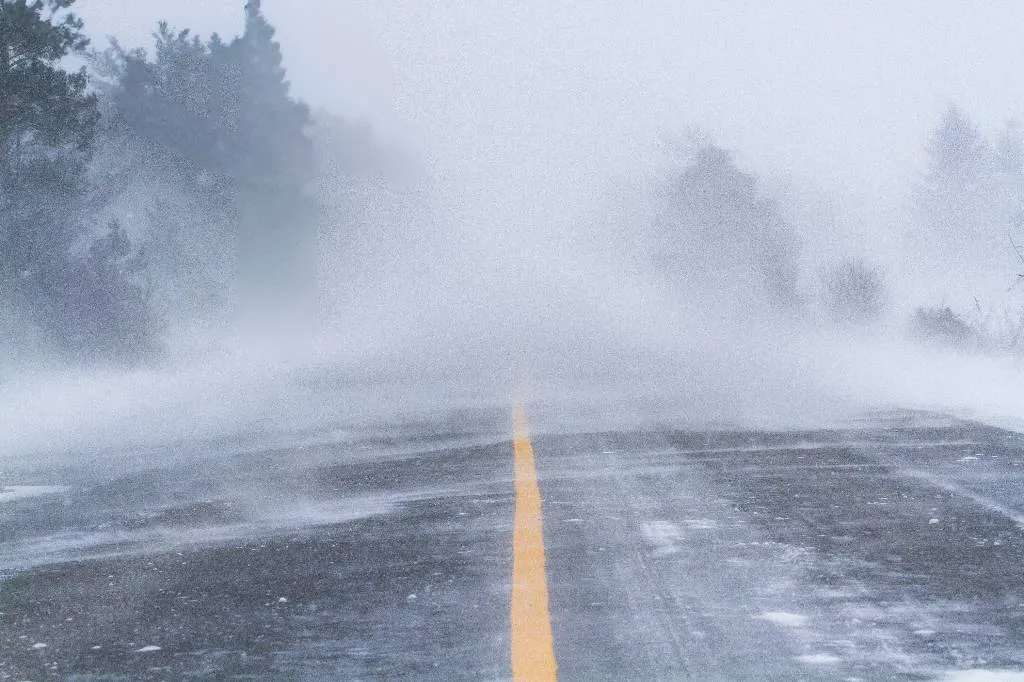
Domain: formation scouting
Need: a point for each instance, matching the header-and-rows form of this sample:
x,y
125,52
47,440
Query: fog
x,y
518,200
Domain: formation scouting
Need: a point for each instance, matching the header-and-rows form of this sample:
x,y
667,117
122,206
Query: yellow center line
x,y
533,650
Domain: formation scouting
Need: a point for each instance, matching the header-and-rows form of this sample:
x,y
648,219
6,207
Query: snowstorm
x,y
286,288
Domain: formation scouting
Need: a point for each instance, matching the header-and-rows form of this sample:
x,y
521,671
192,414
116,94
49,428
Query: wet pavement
x,y
890,548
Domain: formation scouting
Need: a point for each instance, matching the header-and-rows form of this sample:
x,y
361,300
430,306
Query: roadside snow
x,y
983,676
784,618
20,492
819,659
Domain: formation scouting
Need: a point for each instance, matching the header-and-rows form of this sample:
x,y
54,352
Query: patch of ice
x,y
264,522
663,536
819,659
982,676
785,618
20,492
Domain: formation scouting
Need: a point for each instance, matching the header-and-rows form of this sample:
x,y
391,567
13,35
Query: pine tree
x,y
969,203
959,157
720,223
42,105
268,114
1009,150
957,190
219,116
275,160
48,122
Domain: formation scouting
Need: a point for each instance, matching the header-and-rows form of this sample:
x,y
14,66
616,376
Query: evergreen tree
x,y
48,121
275,163
107,308
720,226
219,117
42,105
1009,150
960,160
1009,160
959,190
971,197
274,147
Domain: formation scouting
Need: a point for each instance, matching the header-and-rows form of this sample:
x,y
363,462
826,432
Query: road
x,y
890,548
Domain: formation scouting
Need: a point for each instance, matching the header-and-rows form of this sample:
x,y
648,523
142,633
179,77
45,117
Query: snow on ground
x,y
663,536
819,659
784,618
982,676
21,492
297,516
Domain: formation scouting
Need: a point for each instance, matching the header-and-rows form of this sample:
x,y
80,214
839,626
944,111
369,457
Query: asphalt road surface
x,y
888,549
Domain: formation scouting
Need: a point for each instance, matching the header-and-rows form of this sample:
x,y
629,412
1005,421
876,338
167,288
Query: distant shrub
x,y
854,292
942,326
96,307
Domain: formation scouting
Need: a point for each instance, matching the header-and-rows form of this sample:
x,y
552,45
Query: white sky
x,y
842,92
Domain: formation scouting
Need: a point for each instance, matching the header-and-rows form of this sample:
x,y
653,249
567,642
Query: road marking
x,y
533,649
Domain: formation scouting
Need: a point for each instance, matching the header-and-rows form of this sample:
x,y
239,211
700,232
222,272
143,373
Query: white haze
x,y
544,132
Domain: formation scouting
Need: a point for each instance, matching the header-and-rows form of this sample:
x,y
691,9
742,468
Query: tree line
x,y
719,229
148,181
181,179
